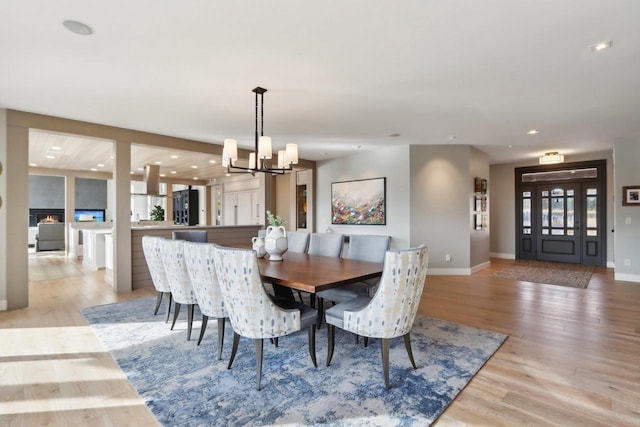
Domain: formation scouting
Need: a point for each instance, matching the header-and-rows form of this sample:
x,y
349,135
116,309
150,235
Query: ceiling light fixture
x,y
262,149
56,148
551,158
77,27
174,172
33,165
100,165
173,156
600,46
94,170
194,167
213,162
533,132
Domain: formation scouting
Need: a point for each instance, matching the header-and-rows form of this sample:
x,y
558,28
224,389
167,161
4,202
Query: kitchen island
x,y
232,235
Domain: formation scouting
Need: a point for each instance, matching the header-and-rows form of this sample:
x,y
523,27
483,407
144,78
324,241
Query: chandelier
x,y
259,159
551,158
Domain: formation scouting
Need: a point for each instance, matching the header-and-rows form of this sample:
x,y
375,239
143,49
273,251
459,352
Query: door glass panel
x,y
556,192
545,231
570,212
592,233
526,212
545,212
592,212
592,191
526,231
569,232
570,193
557,231
557,212
545,194
526,194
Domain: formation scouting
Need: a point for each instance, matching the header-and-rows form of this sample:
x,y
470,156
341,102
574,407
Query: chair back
x,y
172,252
151,249
393,308
251,311
262,233
297,241
366,247
190,235
202,273
326,244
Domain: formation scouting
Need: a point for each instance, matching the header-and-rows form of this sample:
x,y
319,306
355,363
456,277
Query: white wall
x,y
502,203
627,218
392,163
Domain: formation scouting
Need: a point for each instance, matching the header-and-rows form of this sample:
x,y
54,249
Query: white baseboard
x,y
627,277
480,267
502,255
3,304
611,264
448,272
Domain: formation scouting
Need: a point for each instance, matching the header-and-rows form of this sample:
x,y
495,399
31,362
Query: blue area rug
x,y
185,385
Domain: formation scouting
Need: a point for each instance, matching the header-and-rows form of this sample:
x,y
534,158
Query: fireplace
x,y
45,215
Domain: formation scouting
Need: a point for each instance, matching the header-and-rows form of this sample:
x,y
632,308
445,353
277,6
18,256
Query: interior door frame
x,y
526,246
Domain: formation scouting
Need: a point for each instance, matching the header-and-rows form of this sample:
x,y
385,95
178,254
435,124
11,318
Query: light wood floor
x,y
572,356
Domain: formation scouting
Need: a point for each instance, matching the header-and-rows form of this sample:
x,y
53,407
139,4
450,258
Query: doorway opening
x,y
561,213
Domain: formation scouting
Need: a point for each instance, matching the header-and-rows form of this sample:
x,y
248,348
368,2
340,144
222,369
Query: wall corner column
x,y
122,218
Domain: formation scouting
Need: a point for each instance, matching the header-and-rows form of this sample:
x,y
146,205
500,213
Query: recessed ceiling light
x,y
94,170
33,165
325,153
359,147
56,148
394,135
100,165
213,162
78,27
510,146
600,46
158,162
195,177
113,157
140,169
162,175
132,172
533,132
174,172
173,156
50,157
194,167
452,137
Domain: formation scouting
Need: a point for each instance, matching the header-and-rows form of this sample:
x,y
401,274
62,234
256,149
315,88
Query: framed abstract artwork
x,y
360,202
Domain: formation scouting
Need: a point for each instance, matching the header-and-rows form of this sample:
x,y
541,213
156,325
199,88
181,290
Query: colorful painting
x,y
359,202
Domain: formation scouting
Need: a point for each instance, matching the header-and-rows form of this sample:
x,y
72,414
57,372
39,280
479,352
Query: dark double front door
x,y
561,221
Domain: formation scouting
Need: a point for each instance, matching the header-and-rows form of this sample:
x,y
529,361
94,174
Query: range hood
x,y
151,181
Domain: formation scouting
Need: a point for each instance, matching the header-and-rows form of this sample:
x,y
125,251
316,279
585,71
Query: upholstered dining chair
x,y
392,310
190,235
253,314
151,250
297,241
199,260
325,244
181,289
363,247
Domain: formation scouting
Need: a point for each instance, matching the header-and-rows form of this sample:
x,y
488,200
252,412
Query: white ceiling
x,y
339,74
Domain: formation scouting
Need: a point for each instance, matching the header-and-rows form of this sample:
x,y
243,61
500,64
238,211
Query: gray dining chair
x,y
362,247
190,235
326,244
392,310
253,314
297,241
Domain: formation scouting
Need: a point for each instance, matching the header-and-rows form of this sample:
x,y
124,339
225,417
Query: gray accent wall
x,y
390,162
46,192
627,218
91,193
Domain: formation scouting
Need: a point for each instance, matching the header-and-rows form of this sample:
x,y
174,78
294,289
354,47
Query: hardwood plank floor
x,y
572,356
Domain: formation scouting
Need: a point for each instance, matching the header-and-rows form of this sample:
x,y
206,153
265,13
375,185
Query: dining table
x,y
315,273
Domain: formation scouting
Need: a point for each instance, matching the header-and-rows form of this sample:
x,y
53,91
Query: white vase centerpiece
x,y
275,241
258,246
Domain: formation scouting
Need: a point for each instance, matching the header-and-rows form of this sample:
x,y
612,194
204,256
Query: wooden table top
x,y
314,273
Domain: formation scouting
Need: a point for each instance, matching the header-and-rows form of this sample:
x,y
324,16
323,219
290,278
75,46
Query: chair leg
x,y
189,320
407,344
320,312
366,341
331,330
158,302
220,336
300,296
312,344
258,345
385,361
169,301
176,311
203,328
234,349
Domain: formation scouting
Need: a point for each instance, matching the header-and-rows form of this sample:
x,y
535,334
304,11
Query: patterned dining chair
x,y
362,247
199,260
392,310
151,250
174,266
253,314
